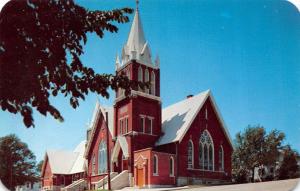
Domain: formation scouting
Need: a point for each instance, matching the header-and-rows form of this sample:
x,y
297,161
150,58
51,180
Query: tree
x,y
254,148
40,47
39,167
17,162
289,167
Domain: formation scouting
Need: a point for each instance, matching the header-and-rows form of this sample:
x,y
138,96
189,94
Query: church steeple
x,y
137,47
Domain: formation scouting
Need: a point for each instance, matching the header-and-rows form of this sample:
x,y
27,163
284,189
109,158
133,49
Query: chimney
x,y
189,96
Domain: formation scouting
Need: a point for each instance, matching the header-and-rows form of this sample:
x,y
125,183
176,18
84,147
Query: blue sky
x,y
246,52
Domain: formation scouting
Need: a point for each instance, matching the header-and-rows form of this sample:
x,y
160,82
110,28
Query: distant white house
x,y
29,186
262,172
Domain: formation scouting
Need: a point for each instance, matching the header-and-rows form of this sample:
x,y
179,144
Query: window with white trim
x,y
128,73
94,165
126,124
123,125
221,158
140,76
149,123
102,158
201,155
151,126
147,80
171,166
155,165
190,152
142,124
206,151
152,91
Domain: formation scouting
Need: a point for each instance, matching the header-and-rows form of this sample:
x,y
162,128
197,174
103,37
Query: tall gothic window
x,y
128,73
221,158
147,79
152,83
94,165
190,154
142,124
210,157
155,165
171,166
102,158
140,76
206,151
201,155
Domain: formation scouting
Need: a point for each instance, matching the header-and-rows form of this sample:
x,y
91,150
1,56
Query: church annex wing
x,y
177,118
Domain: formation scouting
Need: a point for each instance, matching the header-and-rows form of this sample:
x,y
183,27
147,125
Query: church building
x,y
145,146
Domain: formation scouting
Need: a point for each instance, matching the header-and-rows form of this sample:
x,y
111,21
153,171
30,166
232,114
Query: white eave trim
x,y
138,93
224,127
138,61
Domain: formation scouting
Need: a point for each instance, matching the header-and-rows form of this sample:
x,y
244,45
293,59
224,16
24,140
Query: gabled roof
x,y
61,162
98,111
177,118
79,163
66,162
121,144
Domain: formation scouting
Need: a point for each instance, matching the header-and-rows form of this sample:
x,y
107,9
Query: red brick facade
x,y
214,127
100,135
137,130
141,144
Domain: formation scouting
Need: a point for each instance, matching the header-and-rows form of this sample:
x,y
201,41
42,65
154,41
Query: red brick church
x,y
185,143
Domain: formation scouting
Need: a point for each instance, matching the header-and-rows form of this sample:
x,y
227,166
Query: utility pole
x,y
108,158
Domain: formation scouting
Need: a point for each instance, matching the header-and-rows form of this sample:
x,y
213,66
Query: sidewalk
x,y
155,189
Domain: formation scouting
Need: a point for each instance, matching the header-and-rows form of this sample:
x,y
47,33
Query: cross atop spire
x,y
137,4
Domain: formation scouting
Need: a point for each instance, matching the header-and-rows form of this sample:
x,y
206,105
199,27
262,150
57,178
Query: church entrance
x,y
124,163
140,177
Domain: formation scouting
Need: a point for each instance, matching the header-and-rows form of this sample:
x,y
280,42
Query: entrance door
x,y
140,178
124,162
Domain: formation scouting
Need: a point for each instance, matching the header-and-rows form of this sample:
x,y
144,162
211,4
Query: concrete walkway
x,y
282,185
156,189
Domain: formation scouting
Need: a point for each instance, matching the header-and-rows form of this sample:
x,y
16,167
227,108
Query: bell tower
x,y
138,115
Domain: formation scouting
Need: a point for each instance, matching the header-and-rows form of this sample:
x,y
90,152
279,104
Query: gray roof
x,y
177,118
67,162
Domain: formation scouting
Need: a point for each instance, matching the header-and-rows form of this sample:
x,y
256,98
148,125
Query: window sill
x,y
156,174
203,170
172,176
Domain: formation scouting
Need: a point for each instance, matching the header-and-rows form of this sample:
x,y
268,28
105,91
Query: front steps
x,y
78,185
118,181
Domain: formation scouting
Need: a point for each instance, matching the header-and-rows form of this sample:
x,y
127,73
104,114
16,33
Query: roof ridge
x,y
184,100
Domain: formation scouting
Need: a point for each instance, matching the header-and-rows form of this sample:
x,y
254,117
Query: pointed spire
x,y
118,64
136,46
136,36
157,61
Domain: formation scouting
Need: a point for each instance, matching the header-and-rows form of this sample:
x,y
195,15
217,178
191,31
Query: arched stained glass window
x,y
221,158
206,142
152,83
102,158
190,152
210,158
147,79
201,155
140,76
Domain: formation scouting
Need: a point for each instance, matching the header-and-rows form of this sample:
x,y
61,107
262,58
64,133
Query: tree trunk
x,y
253,170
